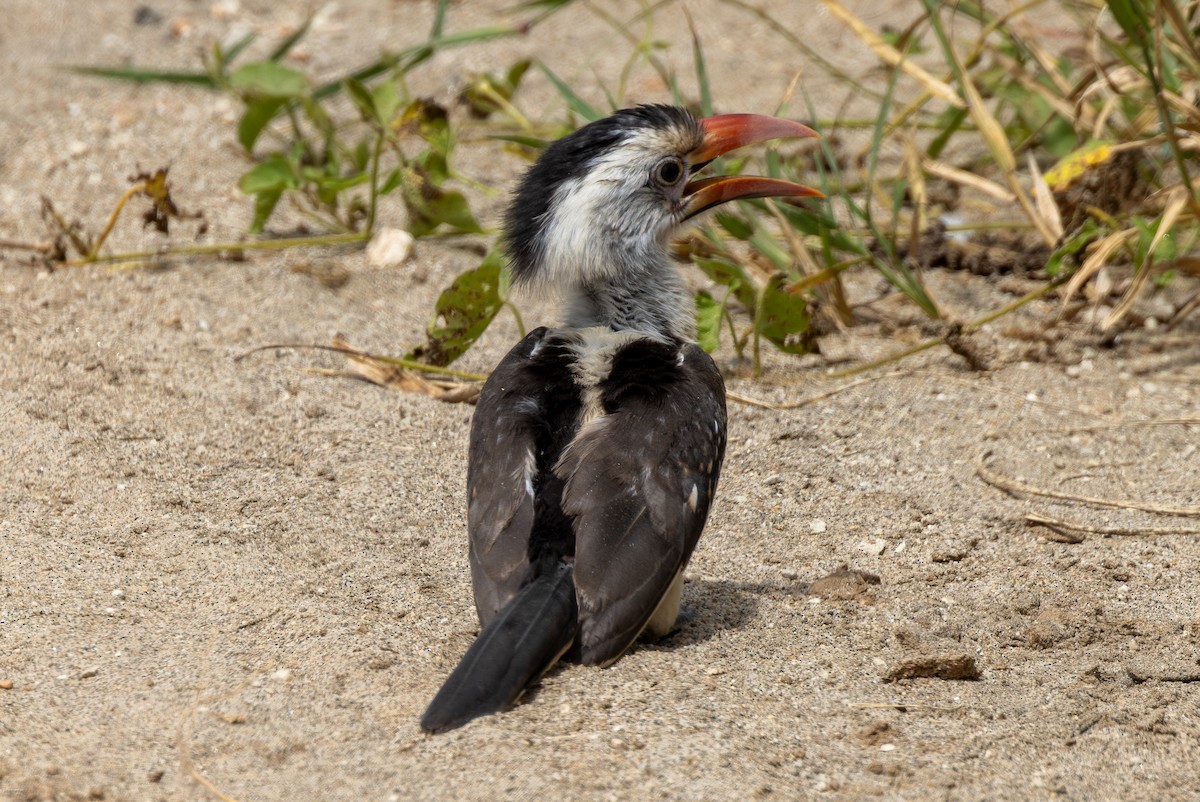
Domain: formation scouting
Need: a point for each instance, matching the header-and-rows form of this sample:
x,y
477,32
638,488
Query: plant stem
x,y
374,181
517,317
218,247
90,256
390,360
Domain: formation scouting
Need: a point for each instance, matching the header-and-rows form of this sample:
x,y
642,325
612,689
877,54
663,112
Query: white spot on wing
x,y
694,497
527,471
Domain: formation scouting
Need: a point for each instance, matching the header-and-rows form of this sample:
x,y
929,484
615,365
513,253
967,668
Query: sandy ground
x,y
228,579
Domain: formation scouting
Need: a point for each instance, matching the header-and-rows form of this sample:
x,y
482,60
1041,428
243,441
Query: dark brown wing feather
x,y
526,409
630,479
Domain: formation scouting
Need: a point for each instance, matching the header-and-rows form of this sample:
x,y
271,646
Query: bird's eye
x,y
668,172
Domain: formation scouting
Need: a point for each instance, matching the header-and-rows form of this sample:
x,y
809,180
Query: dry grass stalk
x,y
967,179
1015,488
1043,199
1068,527
892,56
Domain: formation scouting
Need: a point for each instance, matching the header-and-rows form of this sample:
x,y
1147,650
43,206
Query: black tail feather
x,y
512,651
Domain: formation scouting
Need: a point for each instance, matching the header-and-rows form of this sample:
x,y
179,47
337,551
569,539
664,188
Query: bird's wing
x,y
500,475
526,412
639,481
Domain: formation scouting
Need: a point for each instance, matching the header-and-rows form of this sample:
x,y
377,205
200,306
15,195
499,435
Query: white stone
x,y
874,546
390,247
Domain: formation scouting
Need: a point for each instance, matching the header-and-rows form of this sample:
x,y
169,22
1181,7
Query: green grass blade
x,y
284,47
146,76
237,47
706,104
439,20
580,106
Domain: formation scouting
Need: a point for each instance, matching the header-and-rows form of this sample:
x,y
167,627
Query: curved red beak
x,y
726,132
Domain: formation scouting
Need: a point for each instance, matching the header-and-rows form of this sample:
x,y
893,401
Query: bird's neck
x,y
651,300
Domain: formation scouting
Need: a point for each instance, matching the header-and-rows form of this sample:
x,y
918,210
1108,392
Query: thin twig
x,y
1187,421
40,247
112,220
221,247
839,389
1149,531
1013,487
751,402
390,360
253,621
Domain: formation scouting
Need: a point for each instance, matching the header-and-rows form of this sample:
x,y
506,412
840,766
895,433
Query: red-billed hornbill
x,y
596,446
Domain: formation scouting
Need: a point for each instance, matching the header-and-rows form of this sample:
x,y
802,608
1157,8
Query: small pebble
x,y
144,15
887,747
816,526
283,674
6,684
390,247
225,9
874,546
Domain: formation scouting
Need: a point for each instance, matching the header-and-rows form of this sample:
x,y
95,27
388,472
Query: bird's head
x,y
599,205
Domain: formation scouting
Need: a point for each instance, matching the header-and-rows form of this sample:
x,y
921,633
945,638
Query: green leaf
x,y
319,117
449,208
482,91
336,184
273,174
386,97
463,312
765,244
268,78
1133,18
1072,245
733,276
264,204
781,316
514,75
360,156
395,178
709,316
734,225
257,116
819,223
362,99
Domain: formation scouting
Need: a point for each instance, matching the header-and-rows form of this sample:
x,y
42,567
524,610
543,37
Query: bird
x,y
596,446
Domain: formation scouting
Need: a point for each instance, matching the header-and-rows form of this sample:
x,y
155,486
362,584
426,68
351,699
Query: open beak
x,y
726,132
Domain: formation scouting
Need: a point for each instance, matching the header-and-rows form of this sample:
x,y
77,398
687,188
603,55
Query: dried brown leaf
x,y
1043,200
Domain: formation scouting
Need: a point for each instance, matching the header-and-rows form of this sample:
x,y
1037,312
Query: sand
x,y
225,579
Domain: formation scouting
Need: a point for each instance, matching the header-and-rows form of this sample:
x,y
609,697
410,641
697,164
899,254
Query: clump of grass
x,y
1091,150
